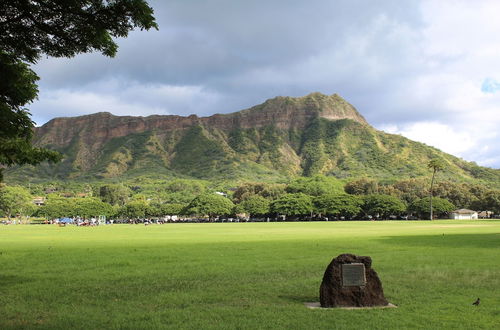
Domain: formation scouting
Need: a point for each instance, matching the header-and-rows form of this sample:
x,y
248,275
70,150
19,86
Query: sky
x,y
428,70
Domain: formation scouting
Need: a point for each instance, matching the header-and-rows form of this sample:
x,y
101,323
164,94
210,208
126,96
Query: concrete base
x,y
317,305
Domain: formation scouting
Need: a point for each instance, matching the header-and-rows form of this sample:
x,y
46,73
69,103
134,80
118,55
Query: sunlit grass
x,y
245,275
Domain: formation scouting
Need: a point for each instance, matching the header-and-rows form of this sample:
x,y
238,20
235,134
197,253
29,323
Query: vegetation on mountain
x,y
172,165
278,141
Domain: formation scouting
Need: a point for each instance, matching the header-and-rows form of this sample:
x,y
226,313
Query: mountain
x,y
283,137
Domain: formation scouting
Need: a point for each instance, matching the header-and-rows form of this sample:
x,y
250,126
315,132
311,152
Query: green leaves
x,y
256,205
20,151
210,204
14,200
439,205
436,164
86,207
338,205
57,28
65,28
316,185
293,204
17,88
382,206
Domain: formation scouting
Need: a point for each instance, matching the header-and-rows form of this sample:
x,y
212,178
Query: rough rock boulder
x,y
336,291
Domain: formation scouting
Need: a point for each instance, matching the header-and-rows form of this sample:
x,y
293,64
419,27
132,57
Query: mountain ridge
x,y
276,111
281,138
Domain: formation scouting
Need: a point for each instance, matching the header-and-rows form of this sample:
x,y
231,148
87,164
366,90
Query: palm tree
x,y
435,164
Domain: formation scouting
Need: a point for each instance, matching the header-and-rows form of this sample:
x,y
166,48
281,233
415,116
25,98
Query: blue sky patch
x,y
490,86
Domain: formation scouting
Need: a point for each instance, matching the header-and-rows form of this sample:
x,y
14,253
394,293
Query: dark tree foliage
x,y
270,191
362,186
115,194
17,88
58,28
64,28
210,204
316,185
293,205
338,205
421,207
489,201
382,206
256,205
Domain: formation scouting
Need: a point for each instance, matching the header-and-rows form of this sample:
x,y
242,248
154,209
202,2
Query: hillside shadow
x,y
486,241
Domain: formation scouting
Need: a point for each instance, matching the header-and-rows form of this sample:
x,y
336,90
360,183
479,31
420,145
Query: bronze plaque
x,y
353,275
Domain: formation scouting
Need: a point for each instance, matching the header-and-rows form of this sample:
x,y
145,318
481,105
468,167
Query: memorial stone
x,y
349,281
353,275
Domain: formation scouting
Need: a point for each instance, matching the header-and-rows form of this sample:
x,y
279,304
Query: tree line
x,y
317,197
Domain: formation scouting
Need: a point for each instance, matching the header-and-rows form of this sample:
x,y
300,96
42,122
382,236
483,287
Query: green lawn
x,y
245,275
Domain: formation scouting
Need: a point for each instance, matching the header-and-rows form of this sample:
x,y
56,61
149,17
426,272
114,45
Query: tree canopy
x,y
210,204
135,209
490,201
362,186
87,207
293,204
15,200
382,206
338,205
316,185
435,165
256,205
421,206
58,28
115,194
267,190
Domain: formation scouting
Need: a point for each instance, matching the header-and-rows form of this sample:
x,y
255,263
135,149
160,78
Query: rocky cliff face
x,y
283,137
282,112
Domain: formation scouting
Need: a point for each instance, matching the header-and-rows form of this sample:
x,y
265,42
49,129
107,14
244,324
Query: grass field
x,y
245,275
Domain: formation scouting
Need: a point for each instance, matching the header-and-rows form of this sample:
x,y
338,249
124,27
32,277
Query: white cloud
x,y
122,98
414,65
453,140
453,88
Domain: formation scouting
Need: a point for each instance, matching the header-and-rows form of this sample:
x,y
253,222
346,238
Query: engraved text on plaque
x,y
353,275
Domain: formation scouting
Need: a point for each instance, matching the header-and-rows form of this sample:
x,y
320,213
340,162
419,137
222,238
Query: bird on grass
x,y
477,302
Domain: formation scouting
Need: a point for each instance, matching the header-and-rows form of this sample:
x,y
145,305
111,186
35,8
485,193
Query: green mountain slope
x,y
277,140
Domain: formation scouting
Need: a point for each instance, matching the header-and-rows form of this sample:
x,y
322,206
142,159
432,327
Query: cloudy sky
x,y
429,70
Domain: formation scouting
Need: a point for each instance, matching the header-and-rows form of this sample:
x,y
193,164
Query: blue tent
x,y
65,220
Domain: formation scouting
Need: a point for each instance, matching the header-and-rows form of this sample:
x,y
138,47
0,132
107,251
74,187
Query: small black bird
x,y
477,302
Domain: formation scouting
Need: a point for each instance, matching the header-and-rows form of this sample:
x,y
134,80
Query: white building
x,y
463,214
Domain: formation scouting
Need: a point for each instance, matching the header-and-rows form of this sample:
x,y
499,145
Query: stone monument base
x,y
350,281
317,305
